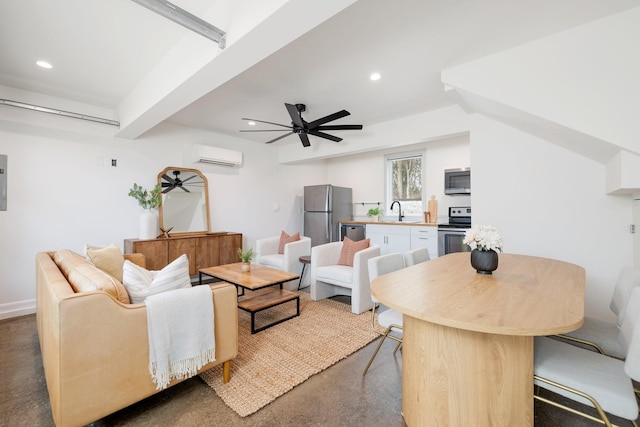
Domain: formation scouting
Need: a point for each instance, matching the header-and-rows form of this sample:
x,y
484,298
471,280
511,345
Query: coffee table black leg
x,y
277,322
253,323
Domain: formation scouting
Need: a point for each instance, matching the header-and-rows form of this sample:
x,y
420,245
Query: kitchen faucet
x,y
400,216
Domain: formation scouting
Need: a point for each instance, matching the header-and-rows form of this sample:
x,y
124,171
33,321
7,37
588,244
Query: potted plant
x,y
148,200
485,242
375,213
245,257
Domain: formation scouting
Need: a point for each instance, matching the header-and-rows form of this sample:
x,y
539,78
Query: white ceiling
x,y
102,50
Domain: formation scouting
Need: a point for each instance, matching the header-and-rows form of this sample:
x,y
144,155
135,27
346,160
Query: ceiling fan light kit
x,y
186,19
303,128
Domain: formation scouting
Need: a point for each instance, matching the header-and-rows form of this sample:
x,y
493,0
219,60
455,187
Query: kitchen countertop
x,y
391,223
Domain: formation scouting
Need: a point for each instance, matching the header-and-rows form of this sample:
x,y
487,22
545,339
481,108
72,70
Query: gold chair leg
x,y
594,346
384,335
373,356
603,417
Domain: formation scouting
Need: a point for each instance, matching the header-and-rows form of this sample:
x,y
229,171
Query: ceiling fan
x,y
304,128
173,183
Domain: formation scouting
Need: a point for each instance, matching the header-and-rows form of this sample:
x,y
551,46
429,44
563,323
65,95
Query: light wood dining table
x,y
467,352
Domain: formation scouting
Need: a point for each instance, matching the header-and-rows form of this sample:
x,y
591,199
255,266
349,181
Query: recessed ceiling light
x,y
44,64
251,123
375,76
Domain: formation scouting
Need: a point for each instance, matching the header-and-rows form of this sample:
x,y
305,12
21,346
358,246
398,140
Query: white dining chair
x,y
601,335
591,378
416,256
389,319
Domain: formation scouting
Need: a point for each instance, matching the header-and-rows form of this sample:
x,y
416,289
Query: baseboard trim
x,y
16,309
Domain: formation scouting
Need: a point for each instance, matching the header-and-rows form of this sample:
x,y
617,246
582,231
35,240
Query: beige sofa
x,y
95,348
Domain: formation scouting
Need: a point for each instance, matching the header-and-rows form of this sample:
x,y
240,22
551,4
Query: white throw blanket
x,y
181,333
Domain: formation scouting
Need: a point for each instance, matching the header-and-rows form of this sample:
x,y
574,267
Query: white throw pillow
x,y
141,283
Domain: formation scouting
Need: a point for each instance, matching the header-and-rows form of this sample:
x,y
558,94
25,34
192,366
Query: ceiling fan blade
x,y
278,138
168,178
325,135
295,115
167,190
262,121
305,139
329,118
185,189
339,127
191,177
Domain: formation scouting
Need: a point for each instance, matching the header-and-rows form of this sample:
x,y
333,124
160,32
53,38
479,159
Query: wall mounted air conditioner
x,y
216,156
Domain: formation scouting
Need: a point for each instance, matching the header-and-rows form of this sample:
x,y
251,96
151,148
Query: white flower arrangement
x,y
483,238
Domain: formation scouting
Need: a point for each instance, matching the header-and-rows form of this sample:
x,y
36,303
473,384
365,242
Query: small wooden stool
x,y
305,259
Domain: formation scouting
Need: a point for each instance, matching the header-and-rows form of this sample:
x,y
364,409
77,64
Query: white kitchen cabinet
x,y
425,237
390,238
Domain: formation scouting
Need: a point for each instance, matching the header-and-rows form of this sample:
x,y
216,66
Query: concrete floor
x,y
338,396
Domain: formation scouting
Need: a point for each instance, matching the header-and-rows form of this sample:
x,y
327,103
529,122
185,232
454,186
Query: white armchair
x,y
267,255
329,279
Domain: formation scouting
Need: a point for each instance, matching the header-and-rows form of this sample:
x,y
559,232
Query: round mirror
x,y
185,201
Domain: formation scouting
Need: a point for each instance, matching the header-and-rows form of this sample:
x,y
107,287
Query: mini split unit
x,y
216,156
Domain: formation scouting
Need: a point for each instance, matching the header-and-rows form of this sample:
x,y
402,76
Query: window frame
x,y
388,158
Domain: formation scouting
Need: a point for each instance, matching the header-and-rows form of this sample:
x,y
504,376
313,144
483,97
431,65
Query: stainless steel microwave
x,y
457,181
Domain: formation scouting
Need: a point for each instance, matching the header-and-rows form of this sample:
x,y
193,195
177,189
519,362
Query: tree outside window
x,y
404,182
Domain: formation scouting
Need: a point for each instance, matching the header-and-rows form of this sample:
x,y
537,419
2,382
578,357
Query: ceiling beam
x,y
190,71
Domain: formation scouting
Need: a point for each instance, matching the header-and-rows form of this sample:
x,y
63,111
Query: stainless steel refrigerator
x,y
324,207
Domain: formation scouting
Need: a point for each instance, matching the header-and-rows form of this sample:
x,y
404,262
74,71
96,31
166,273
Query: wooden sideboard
x,y
203,250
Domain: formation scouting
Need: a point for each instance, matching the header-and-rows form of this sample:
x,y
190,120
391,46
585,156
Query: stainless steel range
x,y
451,235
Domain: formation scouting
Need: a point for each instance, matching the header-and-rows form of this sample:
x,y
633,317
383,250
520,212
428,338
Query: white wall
x,y
365,173
63,191
550,202
584,78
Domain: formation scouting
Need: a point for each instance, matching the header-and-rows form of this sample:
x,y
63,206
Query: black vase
x,y
484,262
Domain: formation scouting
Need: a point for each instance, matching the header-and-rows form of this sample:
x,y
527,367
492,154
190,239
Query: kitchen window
x,y
404,181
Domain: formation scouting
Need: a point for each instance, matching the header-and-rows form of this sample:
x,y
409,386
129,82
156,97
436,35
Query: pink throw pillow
x,y
349,249
286,238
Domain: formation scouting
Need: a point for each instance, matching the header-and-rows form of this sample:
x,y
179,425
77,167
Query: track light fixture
x,y
186,19
63,113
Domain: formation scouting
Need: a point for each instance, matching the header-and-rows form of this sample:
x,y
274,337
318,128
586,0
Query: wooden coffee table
x,y
258,278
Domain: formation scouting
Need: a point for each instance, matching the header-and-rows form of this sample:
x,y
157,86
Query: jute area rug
x,y
274,361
